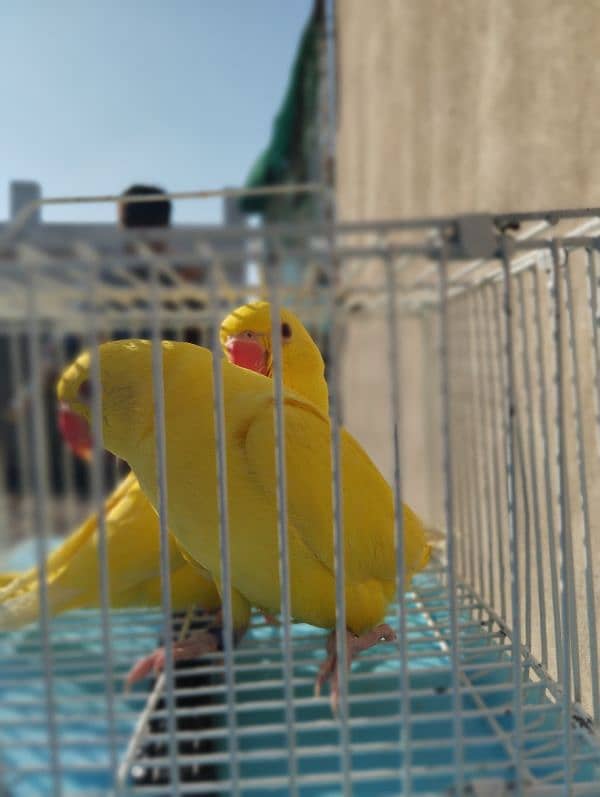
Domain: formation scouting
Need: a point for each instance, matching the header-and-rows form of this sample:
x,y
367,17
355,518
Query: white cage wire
x,y
463,352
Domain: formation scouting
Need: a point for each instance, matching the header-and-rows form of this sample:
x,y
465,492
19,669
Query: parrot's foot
x,y
184,649
354,645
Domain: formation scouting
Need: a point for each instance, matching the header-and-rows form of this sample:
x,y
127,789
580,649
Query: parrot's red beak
x,y
247,353
75,431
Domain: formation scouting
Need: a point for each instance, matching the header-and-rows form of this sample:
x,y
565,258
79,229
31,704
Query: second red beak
x,y
75,431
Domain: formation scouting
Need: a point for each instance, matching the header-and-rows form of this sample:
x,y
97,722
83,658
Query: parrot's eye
x,y
286,330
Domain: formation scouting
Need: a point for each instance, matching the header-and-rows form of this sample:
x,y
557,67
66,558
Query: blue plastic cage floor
x,y
385,753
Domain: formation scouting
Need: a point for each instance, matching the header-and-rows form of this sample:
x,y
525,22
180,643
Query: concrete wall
x,y
473,105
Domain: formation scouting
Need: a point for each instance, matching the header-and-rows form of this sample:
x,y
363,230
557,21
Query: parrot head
x,y
73,414
127,407
247,339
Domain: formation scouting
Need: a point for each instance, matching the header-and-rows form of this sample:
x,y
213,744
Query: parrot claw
x,y
185,649
354,645
145,666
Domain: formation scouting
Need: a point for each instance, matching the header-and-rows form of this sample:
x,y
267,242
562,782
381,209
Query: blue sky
x,y
98,94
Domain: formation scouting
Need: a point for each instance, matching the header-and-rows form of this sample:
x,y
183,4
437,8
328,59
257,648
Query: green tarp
x,y
293,152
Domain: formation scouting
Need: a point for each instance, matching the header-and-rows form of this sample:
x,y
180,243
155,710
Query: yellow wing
x,y
133,542
368,515
58,559
189,587
7,577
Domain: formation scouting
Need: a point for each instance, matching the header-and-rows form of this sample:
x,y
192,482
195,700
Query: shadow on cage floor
x,y
387,747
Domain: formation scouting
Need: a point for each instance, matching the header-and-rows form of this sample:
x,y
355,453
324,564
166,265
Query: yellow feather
x,y
133,545
7,577
131,522
303,369
193,491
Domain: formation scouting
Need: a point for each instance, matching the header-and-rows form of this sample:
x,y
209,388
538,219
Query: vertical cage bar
x,y
39,455
445,353
158,400
282,524
468,446
565,499
520,468
563,519
546,448
17,377
592,286
427,390
224,542
510,430
497,436
67,457
338,524
463,561
574,636
464,442
483,401
580,453
97,483
395,368
335,407
475,442
531,441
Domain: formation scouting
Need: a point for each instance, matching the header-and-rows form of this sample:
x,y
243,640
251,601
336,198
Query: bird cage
x,y
463,355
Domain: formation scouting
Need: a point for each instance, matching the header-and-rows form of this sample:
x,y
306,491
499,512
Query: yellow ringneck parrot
x,y
368,508
131,523
247,339
73,579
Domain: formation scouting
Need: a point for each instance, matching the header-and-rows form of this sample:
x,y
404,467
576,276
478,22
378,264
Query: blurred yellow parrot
x,y
132,525
368,507
7,577
133,544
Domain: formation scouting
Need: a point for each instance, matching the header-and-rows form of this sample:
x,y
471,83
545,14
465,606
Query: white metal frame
x,y
467,277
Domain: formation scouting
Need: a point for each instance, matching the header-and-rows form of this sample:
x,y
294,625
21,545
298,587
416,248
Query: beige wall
x,y
470,104
449,107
